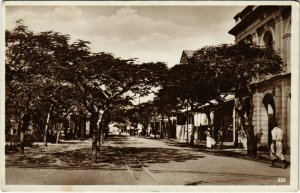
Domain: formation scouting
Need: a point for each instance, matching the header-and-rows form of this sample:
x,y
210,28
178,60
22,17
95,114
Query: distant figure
x,y
210,142
276,146
220,138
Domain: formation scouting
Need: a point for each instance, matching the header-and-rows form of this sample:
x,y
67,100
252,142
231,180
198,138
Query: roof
x,y
247,16
186,54
246,11
189,53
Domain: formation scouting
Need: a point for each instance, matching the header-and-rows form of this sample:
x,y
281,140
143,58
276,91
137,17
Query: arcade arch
x,y
269,104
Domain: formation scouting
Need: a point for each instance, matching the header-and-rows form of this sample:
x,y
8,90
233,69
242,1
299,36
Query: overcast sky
x,y
150,33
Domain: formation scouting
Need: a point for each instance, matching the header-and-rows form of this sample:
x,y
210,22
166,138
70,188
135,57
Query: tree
x,y
40,86
105,82
188,88
167,104
32,60
48,75
232,69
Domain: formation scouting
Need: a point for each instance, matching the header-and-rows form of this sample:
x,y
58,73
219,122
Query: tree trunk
x,y
246,123
169,127
99,141
193,135
71,131
102,127
187,129
22,133
208,119
11,135
102,133
95,146
25,119
236,129
77,127
145,127
106,133
47,127
251,141
162,127
82,127
58,133
66,126
95,138
101,136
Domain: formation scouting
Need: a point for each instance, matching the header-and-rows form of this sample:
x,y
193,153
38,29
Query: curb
x,y
258,158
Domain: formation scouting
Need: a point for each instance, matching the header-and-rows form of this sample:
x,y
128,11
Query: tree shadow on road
x,y
145,155
162,155
112,155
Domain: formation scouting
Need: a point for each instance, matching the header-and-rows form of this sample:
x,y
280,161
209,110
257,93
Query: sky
x,y
149,33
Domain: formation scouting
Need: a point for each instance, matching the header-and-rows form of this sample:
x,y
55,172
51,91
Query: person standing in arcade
x,y
276,146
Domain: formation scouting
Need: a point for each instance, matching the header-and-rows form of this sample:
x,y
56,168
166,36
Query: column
x,y
278,33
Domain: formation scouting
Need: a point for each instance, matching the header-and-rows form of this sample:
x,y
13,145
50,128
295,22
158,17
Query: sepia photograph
x,y
152,96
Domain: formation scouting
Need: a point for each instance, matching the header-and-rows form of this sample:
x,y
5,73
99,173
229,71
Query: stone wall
x,y
272,26
280,90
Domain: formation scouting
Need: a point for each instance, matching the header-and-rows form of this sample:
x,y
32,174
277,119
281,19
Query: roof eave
x,y
237,28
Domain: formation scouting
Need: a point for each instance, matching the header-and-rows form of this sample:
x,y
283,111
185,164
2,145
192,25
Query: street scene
x,y
148,95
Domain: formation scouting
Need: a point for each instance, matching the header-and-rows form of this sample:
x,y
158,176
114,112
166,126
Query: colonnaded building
x,y
266,26
269,26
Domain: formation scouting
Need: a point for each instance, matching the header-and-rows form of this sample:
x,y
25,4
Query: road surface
x,y
129,160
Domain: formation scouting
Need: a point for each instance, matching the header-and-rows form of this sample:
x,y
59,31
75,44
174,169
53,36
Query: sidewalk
x,y
230,151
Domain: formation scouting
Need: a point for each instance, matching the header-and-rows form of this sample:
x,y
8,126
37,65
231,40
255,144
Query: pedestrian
x,y
276,146
220,138
210,142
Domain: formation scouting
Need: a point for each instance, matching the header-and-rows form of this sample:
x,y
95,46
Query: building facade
x,y
269,26
222,118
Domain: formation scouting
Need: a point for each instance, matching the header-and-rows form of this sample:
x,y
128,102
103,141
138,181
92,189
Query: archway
x,y
268,40
269,104
287,26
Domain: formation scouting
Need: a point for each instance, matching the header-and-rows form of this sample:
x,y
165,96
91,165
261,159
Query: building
x,y
222,118
269,26
184,125
266,26
186,55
